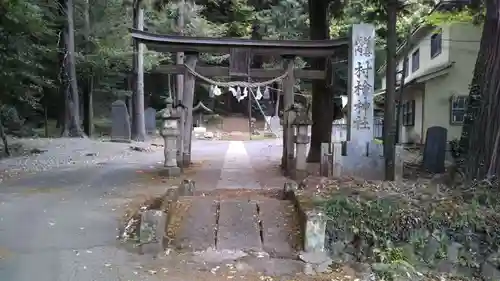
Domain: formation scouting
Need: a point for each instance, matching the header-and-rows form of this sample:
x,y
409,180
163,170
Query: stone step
x,y
192,225
261,224
238,226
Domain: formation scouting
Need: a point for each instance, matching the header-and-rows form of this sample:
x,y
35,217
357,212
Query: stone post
x,y
170,132
301,123
315,232
399,163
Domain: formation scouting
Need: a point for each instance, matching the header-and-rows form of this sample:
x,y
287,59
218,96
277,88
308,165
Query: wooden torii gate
x,y
192,46
287,49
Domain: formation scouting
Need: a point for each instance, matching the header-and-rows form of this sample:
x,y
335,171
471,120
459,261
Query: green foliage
x,y
26,40
398,223
30,32
438,18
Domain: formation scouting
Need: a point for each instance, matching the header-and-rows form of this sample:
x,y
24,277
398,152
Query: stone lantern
x,y
301,124
170,133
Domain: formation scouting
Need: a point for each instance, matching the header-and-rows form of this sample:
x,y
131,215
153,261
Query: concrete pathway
x,y
240,214
237,170
61,225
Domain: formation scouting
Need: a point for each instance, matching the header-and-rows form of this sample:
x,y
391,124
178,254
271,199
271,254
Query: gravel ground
x,y
67,153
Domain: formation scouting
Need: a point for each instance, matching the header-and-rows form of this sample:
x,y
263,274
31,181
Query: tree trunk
x,y
480,129
72,126
180,55
390,92
3,136
322,100
138,66
88,111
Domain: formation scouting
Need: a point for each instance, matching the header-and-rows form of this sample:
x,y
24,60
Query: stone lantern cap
x,y
169,112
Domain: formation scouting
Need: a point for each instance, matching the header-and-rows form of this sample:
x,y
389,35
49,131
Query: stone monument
x,y
120,122
170,132
150,120
360,155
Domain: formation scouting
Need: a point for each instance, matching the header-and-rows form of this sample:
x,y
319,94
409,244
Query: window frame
x,y
457,109
436,43
408,113
407,62
415,57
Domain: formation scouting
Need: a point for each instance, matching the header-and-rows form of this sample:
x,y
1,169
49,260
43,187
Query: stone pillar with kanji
x,y
361,83
170,133
359,156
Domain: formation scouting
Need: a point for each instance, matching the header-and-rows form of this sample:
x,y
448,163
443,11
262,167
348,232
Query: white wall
x,y
426,61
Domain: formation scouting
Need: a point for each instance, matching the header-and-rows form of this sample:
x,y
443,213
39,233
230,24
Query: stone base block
x,y
171,172
366,160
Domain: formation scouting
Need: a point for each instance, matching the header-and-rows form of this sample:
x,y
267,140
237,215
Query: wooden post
x,y
139,125
188,99
288,98
180,84
180,55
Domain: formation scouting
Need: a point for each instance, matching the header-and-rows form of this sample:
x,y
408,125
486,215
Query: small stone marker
x,y
120,122
315,232
187,188
150,119
435,149
152,230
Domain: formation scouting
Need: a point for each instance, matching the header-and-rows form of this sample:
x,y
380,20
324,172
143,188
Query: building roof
x,y
423,29
430,73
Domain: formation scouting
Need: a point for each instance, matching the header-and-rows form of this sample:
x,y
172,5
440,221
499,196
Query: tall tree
x,y
88,85
480,141
390,92
69,85
139,126
322,98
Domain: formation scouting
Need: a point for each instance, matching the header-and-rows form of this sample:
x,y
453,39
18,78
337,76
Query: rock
x,y
37,151
447,267
431,248
453,252
138,148
314,257
308,269
336,250
489,272
324,267
494,259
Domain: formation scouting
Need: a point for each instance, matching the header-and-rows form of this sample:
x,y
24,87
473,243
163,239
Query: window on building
x,y
458,106
406,66
409,113
415,60
436,43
